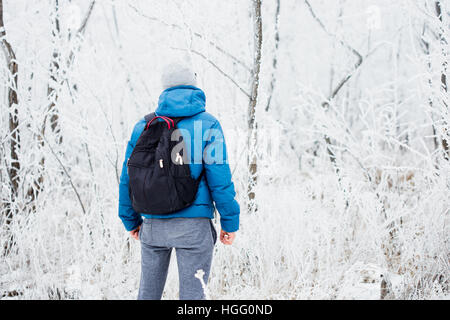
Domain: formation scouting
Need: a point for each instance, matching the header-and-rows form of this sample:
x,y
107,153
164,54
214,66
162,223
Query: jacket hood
x,y
181,101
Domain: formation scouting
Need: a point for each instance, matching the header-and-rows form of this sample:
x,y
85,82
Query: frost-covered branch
x,y
196,34
212,63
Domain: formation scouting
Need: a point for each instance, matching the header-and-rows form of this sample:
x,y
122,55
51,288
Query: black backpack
x,y
160,177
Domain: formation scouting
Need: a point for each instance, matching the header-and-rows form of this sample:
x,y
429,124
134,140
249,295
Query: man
x,y
190,230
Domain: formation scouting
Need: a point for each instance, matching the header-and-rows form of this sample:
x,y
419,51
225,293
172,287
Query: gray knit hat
x,y
178,73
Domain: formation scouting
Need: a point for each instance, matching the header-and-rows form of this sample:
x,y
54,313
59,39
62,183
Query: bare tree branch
x,y
63,167
196,34
342,42
83,25
217,68
340,83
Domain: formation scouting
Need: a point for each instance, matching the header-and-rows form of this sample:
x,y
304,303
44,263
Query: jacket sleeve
x,y
130,218
218,177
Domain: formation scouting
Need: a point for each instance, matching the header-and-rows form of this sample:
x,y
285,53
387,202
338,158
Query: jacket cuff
x,y
230,225
130,225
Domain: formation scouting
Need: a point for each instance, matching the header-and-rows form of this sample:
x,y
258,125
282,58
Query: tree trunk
x,y
443,43
275,55
13,170
252,125
426,49
53,88
55,70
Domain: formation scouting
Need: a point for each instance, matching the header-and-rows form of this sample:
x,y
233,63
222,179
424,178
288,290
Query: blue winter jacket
x,y
215,186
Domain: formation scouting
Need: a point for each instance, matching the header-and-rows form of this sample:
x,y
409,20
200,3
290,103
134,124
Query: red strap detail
x,y
173,124
164,118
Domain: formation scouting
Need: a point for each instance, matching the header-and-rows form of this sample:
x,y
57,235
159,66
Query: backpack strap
x,y
170,121
201,175
149,116
178,119
174,120
167,120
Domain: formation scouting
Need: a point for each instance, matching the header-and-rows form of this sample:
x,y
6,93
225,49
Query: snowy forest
x,y
336,117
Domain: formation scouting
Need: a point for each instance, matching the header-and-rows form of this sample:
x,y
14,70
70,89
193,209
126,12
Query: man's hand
x,y
135,233
227,237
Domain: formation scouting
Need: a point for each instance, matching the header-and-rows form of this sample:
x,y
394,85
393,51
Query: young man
x,y
189,230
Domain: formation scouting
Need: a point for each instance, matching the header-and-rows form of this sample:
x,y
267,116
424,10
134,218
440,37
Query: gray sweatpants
x,y
193,240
